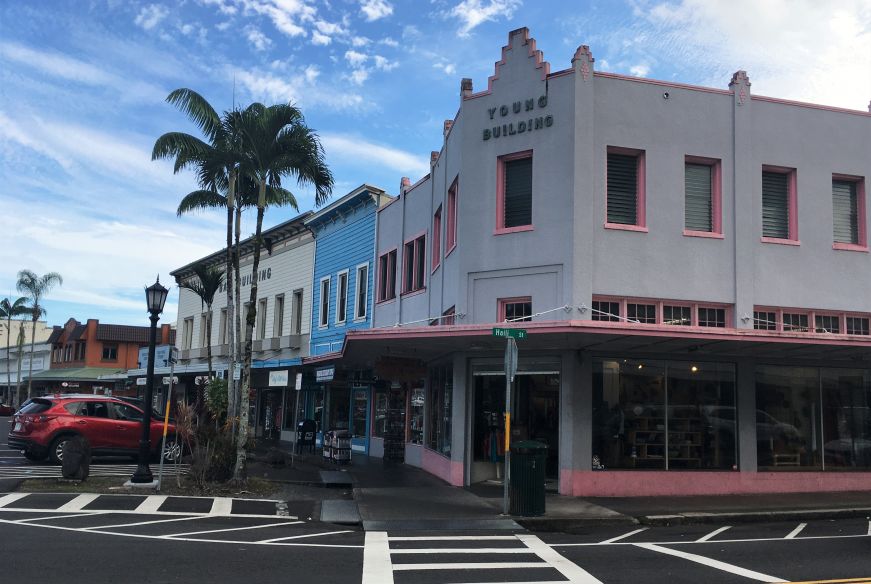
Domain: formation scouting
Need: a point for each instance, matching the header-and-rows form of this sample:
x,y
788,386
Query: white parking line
x,y
11,498
231,529
573,572
77,503
471,566
65,516
625,535
515,550
151,504
453,538
714,533
377,567
141,523
717,564
869,528
796,531
221,506
303,536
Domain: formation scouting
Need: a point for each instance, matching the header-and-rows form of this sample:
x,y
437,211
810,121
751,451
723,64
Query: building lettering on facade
x,y
518,127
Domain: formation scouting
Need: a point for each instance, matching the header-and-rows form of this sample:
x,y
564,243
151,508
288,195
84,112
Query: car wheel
x,y
56,450
172,450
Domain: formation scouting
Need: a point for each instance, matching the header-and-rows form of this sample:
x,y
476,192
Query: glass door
x,y
360,419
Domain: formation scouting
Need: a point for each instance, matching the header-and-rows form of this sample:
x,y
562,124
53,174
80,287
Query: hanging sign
x,y
298,385
278,378
325,374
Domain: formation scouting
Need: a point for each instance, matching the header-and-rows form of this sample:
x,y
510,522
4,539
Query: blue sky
x,y
82,86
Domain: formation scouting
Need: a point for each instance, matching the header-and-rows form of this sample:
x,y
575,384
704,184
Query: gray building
x,y
689,264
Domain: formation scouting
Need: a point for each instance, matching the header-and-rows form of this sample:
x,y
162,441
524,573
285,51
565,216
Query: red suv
x,y
111,426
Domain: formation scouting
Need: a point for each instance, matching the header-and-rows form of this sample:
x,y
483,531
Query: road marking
x,y
718,541
737,570
796,531
573,572
847,581
77,503
141,523
11,498
65,516
151,504
452,538
470,566
869,528
625,535
714,533
304,536
377,567
232,529
515,550
221,506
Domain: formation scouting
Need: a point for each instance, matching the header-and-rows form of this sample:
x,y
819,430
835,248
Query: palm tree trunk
x,y
209,340
240,473
228,323
238,298
32,348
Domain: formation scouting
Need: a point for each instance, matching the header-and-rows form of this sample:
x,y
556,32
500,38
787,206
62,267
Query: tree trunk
x,y
32,348
229,320
240,473
238,298
209,340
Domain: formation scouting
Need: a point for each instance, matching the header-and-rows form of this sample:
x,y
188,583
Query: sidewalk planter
x,y
526,485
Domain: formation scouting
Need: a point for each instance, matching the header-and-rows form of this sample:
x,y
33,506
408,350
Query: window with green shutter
x,y
775,205
845,210
517,211
622,188
699,201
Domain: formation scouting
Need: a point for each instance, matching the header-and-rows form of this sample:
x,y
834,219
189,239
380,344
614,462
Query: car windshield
x,y
35,406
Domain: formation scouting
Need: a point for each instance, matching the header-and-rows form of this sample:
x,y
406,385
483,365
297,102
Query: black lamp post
x,y
155,295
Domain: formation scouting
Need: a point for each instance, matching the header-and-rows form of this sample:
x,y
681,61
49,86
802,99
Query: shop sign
x,y
162,356
69,385
298,385
141,381
278,378
325,374
166,380
503,127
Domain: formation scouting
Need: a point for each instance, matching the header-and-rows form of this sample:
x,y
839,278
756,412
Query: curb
x,y
756,516
569,524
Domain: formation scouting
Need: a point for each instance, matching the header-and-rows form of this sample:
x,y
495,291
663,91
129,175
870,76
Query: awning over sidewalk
x,y
363,347
74,374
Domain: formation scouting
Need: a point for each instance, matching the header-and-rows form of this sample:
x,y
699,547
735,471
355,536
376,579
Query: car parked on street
x,y
111,427
6,410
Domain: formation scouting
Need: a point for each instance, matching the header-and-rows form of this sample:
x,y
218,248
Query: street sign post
x,y
173,357
510,332
510,372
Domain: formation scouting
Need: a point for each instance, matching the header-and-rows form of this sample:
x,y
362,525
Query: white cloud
x,y
298,87
375,9
343,148
383,64
360,41
330,28
311,73
257,39
640,70
387,41
803,49
151,15
286,15
222,26
474,12
320,39
358,76
356,59
448,68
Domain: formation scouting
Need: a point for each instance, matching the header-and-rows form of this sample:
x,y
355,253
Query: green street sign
x,y
506,332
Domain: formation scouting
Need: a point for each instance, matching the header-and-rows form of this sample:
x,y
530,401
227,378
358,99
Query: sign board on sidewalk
x,y
511,359
509,332
278,378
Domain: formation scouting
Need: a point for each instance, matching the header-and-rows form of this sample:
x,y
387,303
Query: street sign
x,y
511,359
509,332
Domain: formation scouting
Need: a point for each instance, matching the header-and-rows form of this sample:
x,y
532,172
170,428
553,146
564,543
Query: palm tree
x,y
10,310
35,288
216,163
276,144
206,284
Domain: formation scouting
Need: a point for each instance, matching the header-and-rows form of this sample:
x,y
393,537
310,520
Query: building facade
x,y
688,263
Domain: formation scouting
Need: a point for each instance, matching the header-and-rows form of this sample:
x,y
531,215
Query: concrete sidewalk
x,y
397,496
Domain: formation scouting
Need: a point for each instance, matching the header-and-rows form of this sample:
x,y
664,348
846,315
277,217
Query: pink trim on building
x,y
861,212
500,192
446,469
451,228
716,196
581,483
811,105
436,239
792,203
540,63
640,189
662,83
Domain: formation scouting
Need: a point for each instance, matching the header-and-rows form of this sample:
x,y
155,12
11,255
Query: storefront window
x,y
846,418
441,402
360,407
379,411
663,415
787,417
418,398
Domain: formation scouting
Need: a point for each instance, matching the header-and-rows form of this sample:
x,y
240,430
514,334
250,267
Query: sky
x,y
83,84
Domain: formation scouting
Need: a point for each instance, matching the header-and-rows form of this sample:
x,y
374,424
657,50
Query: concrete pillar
x,y
587,219
461,426
746,409
746,200
576,406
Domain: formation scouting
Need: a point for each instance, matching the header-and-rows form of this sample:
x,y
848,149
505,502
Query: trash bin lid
x,y
528,446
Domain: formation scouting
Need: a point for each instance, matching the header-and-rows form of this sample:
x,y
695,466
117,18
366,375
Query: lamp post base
x,y
151,485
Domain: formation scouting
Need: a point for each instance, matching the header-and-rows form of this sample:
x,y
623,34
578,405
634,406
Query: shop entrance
x,y
535,417
360,419
269,415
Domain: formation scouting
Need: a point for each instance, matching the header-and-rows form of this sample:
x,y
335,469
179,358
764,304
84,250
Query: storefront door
x,y
269,415
360,419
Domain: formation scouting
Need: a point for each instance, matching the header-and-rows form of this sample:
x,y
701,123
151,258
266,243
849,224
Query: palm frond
x,y
200,200
198,110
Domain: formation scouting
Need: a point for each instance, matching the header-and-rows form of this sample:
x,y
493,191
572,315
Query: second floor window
x,y
342,298
514,204
414,267
778,203
387,276
324,318
451,227
515,309
605,310
625,187
187,333
110,352
278,325
702,203
361,304
845,212
437,238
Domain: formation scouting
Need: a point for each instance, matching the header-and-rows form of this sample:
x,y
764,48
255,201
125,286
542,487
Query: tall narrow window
x,y
297,312
845,211
778,203
413,257
625,187
514,192
702,198
324,313
203,336
261,318
187,333
278,326
451,228
361,305
223,327
515,309
437,238
342,297
387,276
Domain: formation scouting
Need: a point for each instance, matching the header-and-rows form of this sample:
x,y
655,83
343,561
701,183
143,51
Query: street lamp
x,y
155,296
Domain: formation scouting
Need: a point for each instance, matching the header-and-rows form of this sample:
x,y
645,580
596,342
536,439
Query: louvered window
x,y
845,207
623,188
775,205
517,194
699,201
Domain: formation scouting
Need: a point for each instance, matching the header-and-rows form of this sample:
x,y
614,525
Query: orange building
x,y
82,353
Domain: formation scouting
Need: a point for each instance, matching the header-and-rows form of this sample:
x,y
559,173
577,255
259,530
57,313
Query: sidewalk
x,y
398,496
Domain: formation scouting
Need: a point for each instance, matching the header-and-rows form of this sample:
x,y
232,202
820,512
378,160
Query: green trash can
x,y
526,486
